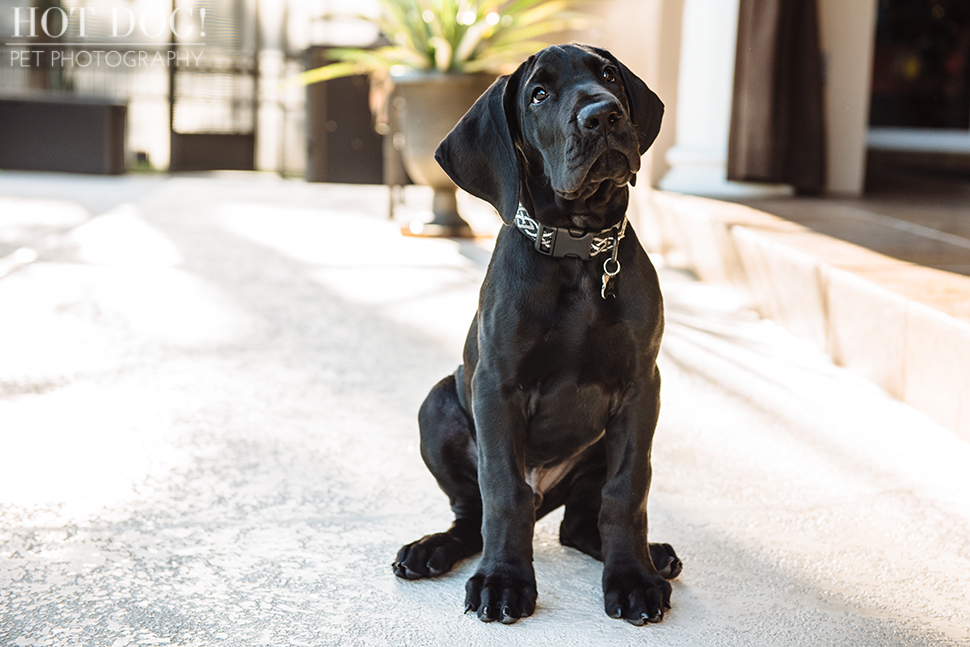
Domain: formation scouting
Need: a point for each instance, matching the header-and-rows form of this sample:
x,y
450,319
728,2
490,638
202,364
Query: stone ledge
x,y
905,327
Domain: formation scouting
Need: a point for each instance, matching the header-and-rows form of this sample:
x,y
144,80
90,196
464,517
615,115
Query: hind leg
x,y
582,498
665,560
449,452
580,492
580,530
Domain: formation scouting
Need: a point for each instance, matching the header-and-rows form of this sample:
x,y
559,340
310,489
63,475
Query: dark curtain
x,y
777,126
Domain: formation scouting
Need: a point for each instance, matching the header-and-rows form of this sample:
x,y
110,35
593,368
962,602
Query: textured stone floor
x,y
207,421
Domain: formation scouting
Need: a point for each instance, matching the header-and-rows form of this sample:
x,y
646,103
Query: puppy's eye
x,y
539,95
609,75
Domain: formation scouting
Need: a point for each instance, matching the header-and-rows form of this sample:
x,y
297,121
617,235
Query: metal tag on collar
x,y
559,242
609,275
608,288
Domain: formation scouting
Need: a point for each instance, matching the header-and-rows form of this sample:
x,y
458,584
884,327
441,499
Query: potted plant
x,y
442,55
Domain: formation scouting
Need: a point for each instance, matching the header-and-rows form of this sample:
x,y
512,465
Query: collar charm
x,y
609,275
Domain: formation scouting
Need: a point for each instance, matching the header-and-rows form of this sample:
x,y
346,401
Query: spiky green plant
x,y
454,36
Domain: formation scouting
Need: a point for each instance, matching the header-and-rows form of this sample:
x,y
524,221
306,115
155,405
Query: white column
x,y
847,31
698,160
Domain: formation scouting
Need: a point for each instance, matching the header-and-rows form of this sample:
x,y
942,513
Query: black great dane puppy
x,y
557,398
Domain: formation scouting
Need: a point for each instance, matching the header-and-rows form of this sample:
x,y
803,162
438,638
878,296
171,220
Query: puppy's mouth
x,y
616,165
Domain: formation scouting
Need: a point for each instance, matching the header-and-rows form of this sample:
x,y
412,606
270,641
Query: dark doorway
x,y
921,70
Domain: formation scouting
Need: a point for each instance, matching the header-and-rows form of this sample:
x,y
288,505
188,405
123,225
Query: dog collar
x,y
559,242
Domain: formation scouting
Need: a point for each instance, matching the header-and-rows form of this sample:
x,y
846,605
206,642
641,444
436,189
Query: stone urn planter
x,y
447,54
430,105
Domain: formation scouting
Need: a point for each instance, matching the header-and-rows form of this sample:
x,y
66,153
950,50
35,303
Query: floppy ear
x,y
479,153
646,108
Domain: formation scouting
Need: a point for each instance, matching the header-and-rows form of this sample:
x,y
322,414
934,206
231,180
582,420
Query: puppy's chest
x,y
564,419
573,378
581,346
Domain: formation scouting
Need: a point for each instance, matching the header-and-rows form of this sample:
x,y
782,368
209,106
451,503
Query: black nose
x,y
601,115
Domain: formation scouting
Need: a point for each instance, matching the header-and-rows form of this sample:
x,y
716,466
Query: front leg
x,y
632,587
504,586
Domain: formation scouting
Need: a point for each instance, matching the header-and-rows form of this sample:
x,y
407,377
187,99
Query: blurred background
x,y
894,72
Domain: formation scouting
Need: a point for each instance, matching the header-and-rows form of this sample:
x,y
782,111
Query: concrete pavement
x,y
207,413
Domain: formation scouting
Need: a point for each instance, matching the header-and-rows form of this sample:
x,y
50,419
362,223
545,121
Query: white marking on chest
x,y
543,479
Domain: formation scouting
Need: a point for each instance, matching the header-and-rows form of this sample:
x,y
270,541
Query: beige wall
x,y
645,35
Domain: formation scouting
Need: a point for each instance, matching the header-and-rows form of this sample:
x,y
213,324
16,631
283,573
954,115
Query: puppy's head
x,y
569,121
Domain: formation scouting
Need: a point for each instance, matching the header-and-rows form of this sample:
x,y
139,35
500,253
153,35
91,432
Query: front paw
x,y
500,596
635,596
